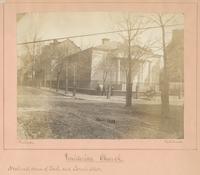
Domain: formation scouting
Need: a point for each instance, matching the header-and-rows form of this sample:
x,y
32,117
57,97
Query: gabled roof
x,y
119,50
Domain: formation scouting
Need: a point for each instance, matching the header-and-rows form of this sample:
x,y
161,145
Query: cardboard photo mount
x,y
158,156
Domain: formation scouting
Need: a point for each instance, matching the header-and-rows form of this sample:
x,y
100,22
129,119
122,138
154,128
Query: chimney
x,y
55,41
105,41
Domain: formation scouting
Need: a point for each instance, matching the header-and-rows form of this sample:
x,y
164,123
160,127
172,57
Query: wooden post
x,y
149,72
165,81
118,71
66,77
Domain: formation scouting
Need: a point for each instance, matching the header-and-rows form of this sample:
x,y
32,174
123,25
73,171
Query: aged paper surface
x,y
99,87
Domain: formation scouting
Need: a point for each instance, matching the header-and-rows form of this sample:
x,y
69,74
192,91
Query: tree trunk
x,y
74,81
165,79
45,76
129,77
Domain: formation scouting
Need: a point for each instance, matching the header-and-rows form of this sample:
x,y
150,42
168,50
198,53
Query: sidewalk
x,y
114,99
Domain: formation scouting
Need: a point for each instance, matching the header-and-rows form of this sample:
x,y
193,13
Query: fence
x,y
119,89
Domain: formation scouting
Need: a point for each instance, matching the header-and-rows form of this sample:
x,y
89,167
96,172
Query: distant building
x,y
175,56
175,62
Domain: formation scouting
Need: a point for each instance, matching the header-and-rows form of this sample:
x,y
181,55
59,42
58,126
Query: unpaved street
x,y
43,114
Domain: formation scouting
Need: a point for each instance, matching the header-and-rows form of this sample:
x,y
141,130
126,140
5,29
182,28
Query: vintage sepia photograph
x,y
100,75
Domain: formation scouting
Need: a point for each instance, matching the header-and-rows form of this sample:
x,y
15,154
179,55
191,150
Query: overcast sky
x,y
61,24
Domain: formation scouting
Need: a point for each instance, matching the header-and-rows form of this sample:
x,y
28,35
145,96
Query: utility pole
x,y
129,76
66,71
33,65
164,78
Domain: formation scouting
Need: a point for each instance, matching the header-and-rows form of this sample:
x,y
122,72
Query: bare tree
x,y
133,26
57,56
32,53
32,49
107,66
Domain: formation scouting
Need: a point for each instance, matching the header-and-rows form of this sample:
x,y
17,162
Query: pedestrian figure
x,y
112,88
103,90
108,91
98,89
